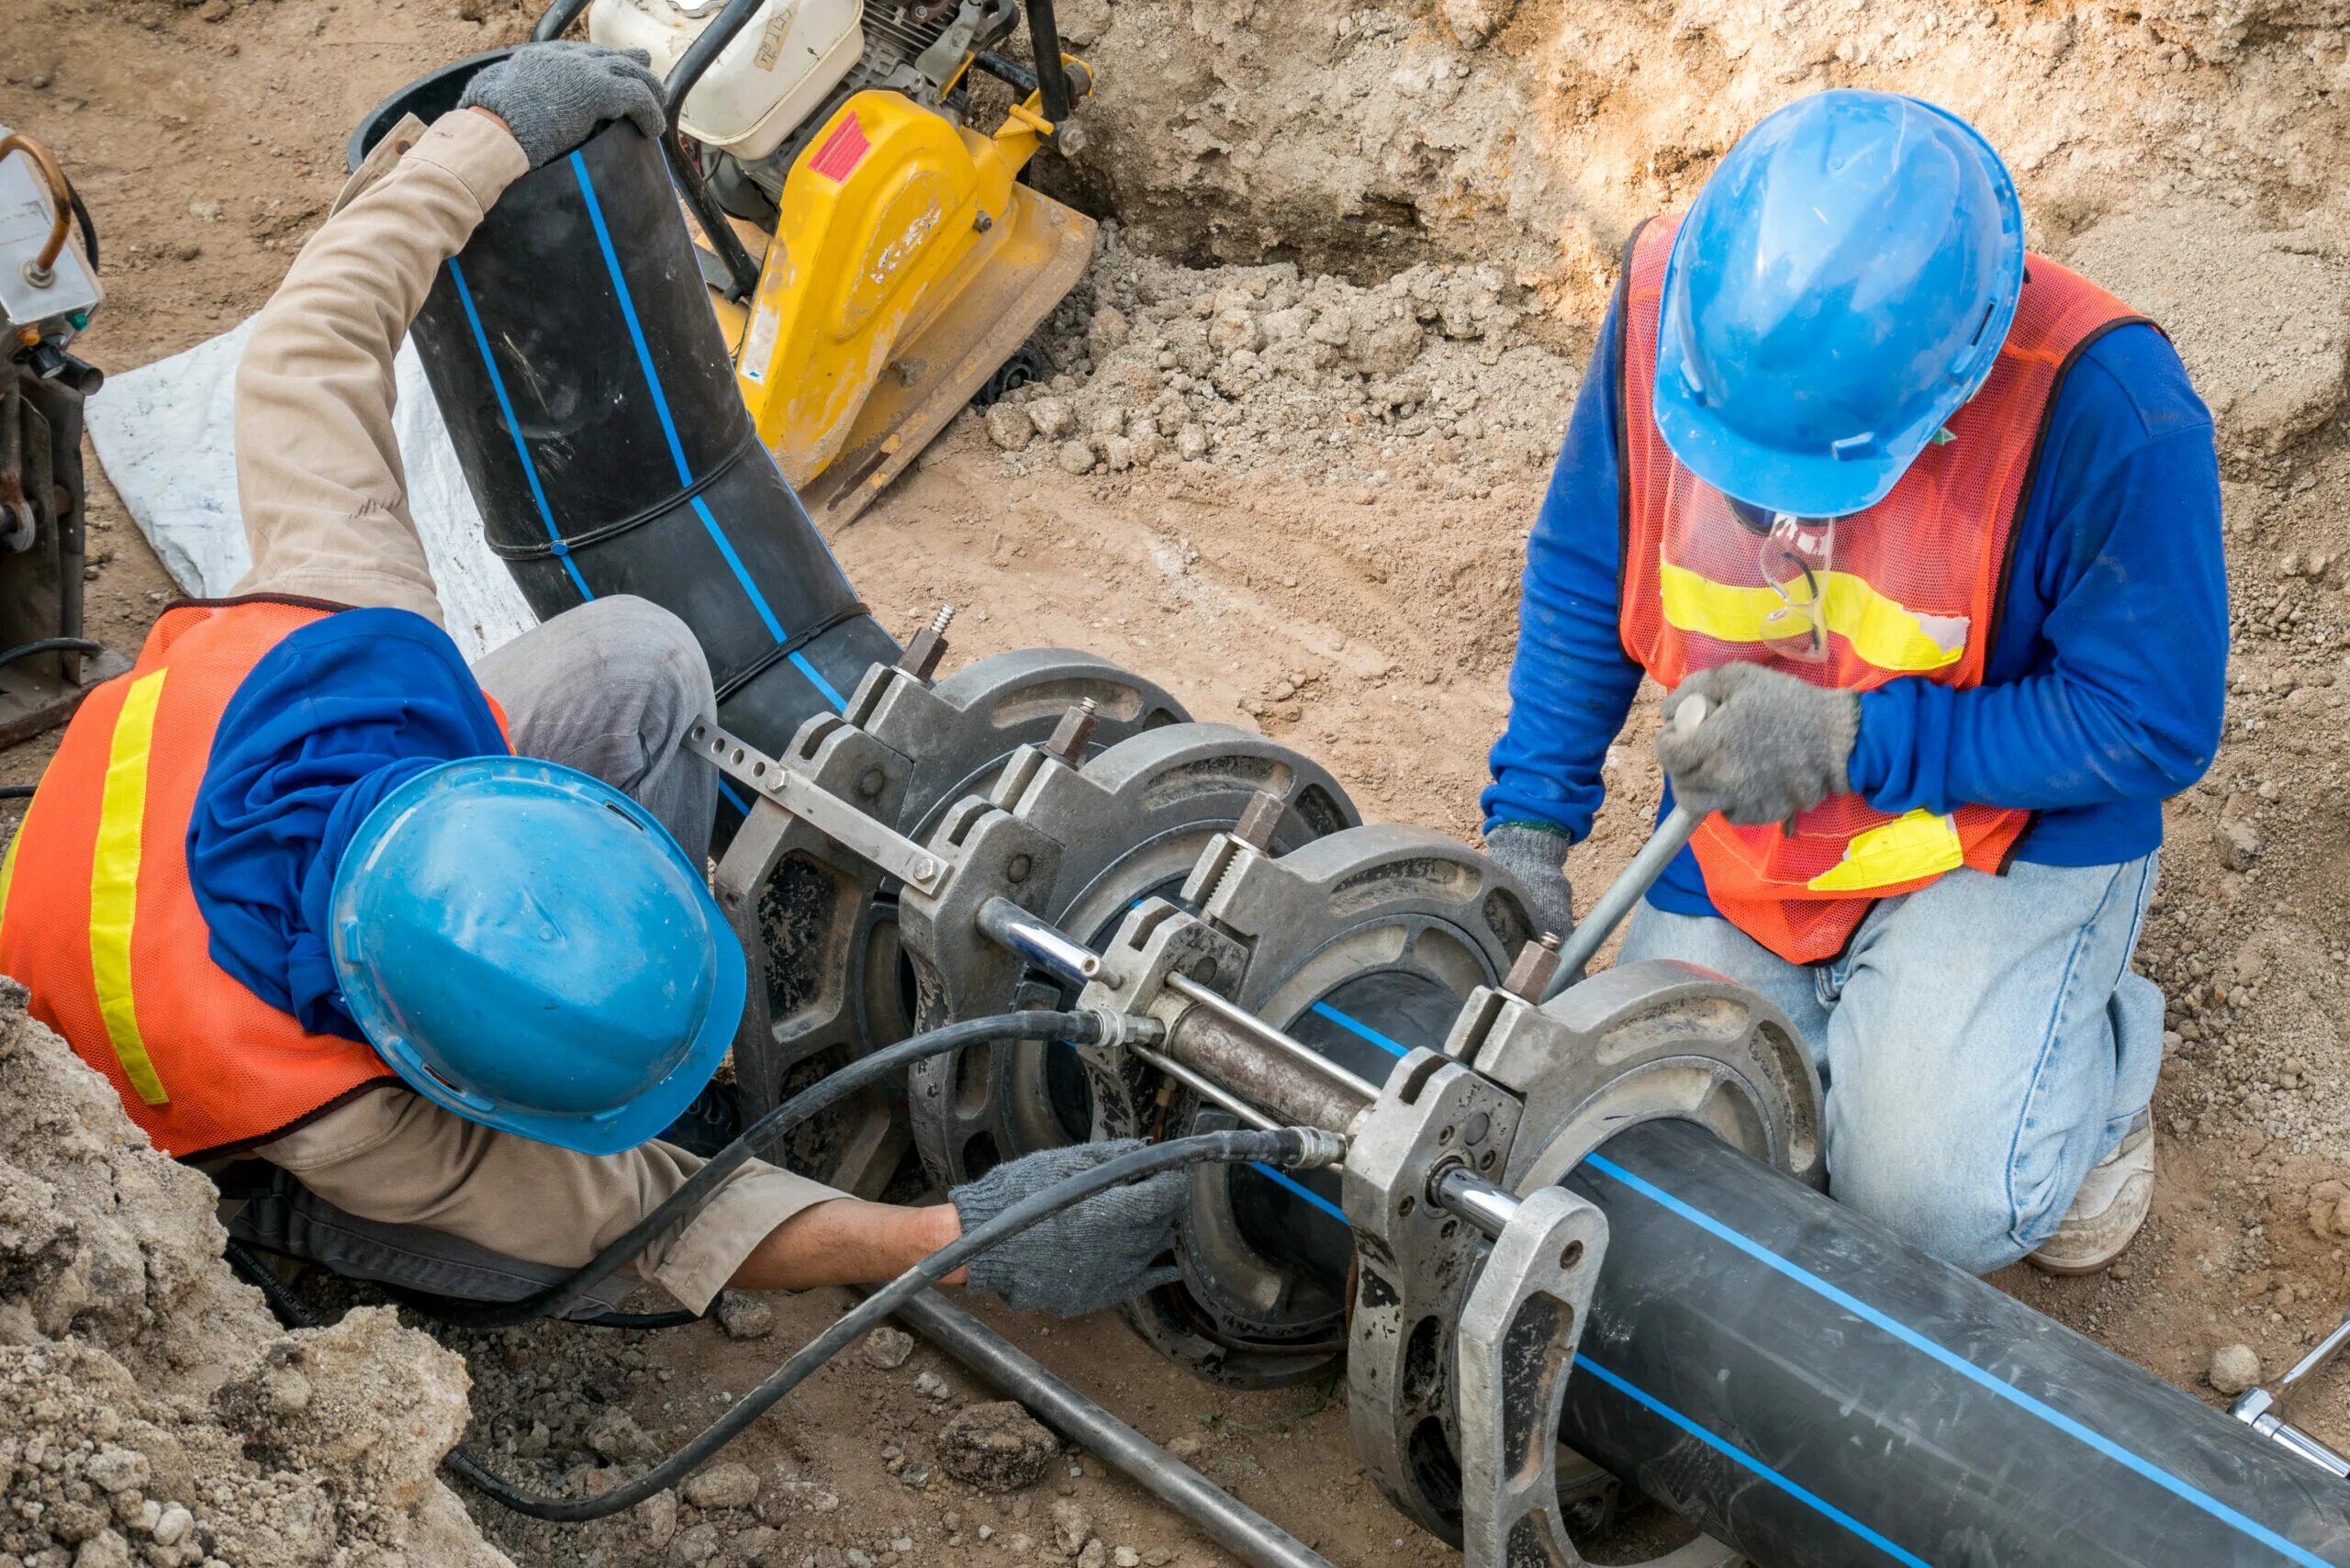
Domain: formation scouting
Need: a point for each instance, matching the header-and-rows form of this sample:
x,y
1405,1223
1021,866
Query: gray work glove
x,y
1085,1258
554,96
1536,854
1768,746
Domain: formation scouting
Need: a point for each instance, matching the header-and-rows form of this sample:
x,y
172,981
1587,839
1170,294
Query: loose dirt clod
x,y
997,1446
2234,1368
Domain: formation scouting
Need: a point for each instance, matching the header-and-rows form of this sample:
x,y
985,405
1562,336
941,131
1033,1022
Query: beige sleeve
x,y
395,1157
319,475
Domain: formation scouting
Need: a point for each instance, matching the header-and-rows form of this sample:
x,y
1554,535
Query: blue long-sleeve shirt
x,y
2103,695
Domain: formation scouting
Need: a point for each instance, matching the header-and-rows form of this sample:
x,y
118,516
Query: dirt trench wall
x,y
1534,134
150,1410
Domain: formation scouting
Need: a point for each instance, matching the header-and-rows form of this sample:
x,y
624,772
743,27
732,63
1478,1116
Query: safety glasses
x,y
1794,557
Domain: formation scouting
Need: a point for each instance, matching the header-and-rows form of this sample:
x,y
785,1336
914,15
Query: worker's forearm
x,y
847,1241
1571,684
318,473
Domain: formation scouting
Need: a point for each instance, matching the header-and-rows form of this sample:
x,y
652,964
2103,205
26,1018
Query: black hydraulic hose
x,y
49,645
288,1308
1079,1028
1284,1148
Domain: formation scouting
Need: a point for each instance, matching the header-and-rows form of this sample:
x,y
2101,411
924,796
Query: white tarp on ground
x,y
163,435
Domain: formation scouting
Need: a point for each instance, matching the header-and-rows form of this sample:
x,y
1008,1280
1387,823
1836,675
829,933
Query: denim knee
x,y
1954,1203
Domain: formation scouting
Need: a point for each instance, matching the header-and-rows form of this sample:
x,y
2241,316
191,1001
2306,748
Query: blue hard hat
x,y
1841,286
529,948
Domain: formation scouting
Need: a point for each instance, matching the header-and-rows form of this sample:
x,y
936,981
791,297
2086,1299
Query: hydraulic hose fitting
x,y
1317,1147
1122,1029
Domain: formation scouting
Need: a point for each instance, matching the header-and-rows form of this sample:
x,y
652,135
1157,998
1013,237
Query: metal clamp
x,y
850,828
1414,1259
1518,1333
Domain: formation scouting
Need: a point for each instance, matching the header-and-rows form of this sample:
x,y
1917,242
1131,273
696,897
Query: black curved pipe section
x,y
555,19
595,413
1818,1393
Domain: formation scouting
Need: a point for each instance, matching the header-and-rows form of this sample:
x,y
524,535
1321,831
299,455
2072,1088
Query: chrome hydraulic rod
x,y
1037,940
1482,1204
1214,1094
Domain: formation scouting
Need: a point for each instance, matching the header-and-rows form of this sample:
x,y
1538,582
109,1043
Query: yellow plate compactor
x,y
904,263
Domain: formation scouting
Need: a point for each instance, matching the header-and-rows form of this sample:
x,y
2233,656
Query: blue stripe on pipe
x,y
2135,1463
727,789
1324,1009
1280,1179
628,314
1809,1499
734,564
816,678
514,429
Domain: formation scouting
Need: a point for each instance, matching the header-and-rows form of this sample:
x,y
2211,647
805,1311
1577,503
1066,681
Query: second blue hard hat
x,y
1841,286
528,948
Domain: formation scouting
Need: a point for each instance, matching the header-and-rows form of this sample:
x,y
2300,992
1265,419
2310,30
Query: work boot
x,y
2109,1210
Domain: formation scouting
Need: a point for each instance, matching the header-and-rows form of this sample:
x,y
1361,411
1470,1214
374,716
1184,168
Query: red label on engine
x,y
841,152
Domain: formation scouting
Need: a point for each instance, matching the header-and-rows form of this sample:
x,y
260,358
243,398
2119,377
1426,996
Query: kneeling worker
x,y
423,939
1933,527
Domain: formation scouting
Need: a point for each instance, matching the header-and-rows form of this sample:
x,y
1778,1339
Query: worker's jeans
x,y
1983,1042
612,688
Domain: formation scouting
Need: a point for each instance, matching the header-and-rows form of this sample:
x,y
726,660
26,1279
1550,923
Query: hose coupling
x,y
1126,1028
1317,1147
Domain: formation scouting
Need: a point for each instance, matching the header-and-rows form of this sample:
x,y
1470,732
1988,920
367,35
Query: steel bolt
x,y
869,782
1529,977
924,866
1258,819
1016,869
1074,733
927,647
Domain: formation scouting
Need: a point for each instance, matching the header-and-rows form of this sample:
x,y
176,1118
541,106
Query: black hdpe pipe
x,y
594,410
1818,1393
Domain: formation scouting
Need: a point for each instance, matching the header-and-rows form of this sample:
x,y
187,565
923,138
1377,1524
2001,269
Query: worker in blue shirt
x,y
1932,527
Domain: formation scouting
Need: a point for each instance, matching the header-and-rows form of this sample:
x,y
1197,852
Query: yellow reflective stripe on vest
x,y
1880,630
113,881
1903,850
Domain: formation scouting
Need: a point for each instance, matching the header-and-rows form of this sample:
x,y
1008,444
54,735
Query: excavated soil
x,y
1298,421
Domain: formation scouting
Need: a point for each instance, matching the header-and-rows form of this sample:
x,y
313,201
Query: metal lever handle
x,y
2263,1411
1672,836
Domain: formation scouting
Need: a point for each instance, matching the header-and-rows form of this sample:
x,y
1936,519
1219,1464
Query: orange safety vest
x,y
1913,589
97,919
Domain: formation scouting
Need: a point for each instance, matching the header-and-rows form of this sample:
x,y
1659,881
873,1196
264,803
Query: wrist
x,y
937,1225
1512,826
